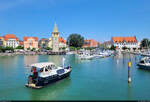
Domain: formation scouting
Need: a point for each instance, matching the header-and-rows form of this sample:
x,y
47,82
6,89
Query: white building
x,y
62,42
129,42
11,40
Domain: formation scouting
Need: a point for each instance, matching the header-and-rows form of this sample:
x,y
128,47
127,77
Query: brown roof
x,y
10,36
35,38
122,39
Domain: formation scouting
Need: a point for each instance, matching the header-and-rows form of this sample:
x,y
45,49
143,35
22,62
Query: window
x,y
46,69
41,70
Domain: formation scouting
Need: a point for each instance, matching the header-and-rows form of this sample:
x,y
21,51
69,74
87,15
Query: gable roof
x,y
122,39
35,38
10,36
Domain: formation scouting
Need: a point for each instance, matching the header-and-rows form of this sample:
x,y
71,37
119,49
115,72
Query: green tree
x,y
33,49
112,47
75,40
28,48
9,48
145,43
19,47
48,48
72,48
2,49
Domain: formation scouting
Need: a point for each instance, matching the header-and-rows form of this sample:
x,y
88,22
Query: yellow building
x,y
2,41
50,43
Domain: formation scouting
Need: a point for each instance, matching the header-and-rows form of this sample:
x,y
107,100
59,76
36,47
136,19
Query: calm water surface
x,y
98,79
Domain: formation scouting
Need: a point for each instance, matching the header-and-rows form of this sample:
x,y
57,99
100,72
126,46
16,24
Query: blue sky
x,y
97,19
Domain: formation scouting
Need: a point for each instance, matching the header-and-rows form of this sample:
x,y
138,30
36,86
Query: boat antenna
x,y
63,62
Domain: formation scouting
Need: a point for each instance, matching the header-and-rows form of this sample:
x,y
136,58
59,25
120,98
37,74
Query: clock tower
x,y
55,39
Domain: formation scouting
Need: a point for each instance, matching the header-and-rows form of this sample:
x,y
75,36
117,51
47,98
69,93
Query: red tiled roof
x,y
122,39
1,37
90,43
43,39
35,38
10,36
62,40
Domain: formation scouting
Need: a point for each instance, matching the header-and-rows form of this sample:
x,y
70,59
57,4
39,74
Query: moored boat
x,y
144,63
45,73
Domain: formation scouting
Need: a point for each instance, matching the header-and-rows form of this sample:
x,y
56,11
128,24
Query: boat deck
x,y
33,86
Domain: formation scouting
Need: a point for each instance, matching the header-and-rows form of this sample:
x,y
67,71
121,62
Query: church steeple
x,y
55,28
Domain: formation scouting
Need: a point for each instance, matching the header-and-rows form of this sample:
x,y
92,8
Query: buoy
x,y
129,66
129,79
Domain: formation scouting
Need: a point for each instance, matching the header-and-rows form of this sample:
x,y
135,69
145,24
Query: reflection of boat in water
x,y
144,63
46,73
51,92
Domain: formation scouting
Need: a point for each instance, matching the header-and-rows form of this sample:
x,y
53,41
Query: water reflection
x,y
57,59
30,59
52,91
8,61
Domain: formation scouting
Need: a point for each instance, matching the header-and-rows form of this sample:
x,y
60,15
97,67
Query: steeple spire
x,y
55,28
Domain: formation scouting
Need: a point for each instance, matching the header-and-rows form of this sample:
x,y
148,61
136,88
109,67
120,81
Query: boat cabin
x,y
38,68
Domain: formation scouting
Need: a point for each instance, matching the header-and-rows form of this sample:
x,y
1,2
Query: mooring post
x,y
129,67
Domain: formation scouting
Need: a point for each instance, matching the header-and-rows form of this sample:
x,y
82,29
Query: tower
x,y
55,39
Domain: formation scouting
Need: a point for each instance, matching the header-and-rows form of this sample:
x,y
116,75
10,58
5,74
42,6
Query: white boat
x,y
69,53
45,73
98,56
86,56
144,63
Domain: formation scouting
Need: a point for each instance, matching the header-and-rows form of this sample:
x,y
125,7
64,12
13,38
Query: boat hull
x,y
47,80
143,66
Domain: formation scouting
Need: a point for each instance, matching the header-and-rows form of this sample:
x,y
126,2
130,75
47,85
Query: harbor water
x,y
97,79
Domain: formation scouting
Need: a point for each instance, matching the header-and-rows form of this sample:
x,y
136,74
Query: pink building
x,y
30,42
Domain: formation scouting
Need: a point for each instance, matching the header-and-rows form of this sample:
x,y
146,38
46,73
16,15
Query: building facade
x,y
62,42
1,41
11,40
107,44
43,43
50,43
21,43
129,42
90,43
30,42
55,39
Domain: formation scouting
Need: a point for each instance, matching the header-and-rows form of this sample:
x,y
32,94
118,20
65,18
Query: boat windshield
x,y
147,61
53,67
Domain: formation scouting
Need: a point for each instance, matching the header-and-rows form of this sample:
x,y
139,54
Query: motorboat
x,y
144,63
69,53
98,56
45,73
85,56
